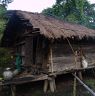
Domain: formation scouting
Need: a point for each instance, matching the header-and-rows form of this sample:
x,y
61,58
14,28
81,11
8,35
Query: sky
x,y
33,5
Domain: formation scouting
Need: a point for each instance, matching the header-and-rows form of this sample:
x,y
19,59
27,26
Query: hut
x,y
48,46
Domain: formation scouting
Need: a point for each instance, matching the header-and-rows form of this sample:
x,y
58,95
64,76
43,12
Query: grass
x,y
91,83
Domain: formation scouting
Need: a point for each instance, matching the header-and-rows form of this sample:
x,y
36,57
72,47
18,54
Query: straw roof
x,y
50,28
54,28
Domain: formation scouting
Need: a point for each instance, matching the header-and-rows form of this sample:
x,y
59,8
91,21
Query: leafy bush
x,y
5,58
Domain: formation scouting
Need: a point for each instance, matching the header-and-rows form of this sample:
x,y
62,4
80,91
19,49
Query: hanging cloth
x,y
18,61
84,62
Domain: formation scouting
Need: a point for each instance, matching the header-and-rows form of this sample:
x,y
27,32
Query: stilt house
x,y
48,45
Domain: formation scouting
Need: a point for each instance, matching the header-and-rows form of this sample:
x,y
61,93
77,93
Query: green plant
x,y
5,58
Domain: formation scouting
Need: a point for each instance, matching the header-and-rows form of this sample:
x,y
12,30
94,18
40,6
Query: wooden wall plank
x,y
63,57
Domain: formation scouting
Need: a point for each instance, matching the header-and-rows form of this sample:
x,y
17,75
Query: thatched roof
x,y
53,28
49,27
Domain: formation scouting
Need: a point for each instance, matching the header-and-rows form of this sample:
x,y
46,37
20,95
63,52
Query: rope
x,y
75,55
71,46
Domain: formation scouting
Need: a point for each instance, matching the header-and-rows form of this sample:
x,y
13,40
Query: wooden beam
x,y
85,86
20,43
31,33
22,80
71,71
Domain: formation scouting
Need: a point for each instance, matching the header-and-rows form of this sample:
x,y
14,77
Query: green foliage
x,y
2,19
91,83
64,8
72,18
5,57
2,25
89,12
77,11
2,12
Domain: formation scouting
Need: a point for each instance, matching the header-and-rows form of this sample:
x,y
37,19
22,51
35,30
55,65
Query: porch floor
x,y
25,78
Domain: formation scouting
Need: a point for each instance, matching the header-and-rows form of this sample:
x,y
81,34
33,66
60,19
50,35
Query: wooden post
x,y
80,75
51,59
52,84
74,87
45,85
76,59
28,53
1,89
13,90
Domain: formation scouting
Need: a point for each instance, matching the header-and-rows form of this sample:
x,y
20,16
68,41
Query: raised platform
x,y
26,78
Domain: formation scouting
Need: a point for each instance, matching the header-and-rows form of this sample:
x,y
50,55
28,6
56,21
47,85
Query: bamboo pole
x,y
51,60
86,87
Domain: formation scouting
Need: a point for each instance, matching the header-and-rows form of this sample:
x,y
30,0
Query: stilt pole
x,y
49,83
52,84
80,75
13,90
74,87
45,85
